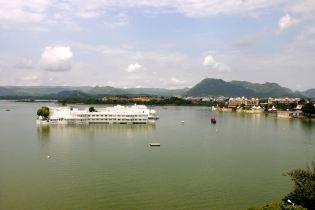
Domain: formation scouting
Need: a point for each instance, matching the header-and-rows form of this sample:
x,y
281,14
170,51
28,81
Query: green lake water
x,y
234,164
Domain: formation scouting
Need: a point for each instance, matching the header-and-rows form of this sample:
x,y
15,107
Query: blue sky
x,y
169,44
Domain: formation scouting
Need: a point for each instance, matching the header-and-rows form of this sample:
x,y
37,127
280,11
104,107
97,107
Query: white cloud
x,y
211,62
56,59
133,67
285,22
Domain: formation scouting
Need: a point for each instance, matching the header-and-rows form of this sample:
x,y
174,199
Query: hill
x,y
219,87
108,90
70,94
267,89
309,93
157,91
40,90
5,91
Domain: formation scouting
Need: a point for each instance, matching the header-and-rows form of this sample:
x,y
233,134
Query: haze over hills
x,y
207,87
309,93
56,92
108,90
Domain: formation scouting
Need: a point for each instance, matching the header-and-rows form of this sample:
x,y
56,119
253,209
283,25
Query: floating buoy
x,y
48,156
154,144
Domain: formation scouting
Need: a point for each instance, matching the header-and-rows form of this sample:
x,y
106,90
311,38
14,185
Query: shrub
x,y
304,187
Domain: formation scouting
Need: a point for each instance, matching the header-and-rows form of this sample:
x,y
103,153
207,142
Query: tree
x,y
302,101
279,205
308,110
291,106
221,104
92,109
304,187
281,106
44,112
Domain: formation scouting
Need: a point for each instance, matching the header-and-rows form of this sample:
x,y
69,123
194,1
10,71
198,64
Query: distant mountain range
x,y
219,87
207,87
61,92
309,93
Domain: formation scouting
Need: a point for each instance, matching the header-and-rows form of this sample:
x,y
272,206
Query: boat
x,y
7,110
154,144
136,114
213,120
182,122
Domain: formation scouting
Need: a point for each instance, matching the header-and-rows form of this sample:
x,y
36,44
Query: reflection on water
x,y
308,127
45,132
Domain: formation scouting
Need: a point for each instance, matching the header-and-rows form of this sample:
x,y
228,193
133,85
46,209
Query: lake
x,y
235,164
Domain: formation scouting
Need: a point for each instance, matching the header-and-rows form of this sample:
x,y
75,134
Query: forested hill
x,y
219,87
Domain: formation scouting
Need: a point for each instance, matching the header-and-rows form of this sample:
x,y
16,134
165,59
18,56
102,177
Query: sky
x,y
156,43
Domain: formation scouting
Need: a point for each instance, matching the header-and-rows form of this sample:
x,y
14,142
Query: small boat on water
x,y
213,120
154,144
7,110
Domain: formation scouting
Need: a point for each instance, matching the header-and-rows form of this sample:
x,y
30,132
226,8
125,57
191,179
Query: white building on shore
x,y
136,114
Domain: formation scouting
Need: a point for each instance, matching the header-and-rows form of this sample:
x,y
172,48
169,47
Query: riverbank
x,y
175,101
285,114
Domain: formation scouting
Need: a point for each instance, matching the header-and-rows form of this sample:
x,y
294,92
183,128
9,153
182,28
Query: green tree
x,y
281,106
221,104
304,187
291,106
302,101
92,109
40,112
44,112
308,110
279,205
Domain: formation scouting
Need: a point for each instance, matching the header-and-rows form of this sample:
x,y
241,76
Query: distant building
x,y
193,98
290,114
206,99
286,100
135,99
235,102
220,99
299,107
136,114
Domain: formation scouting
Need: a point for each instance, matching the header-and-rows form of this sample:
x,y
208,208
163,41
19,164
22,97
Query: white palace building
x,y
136,114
